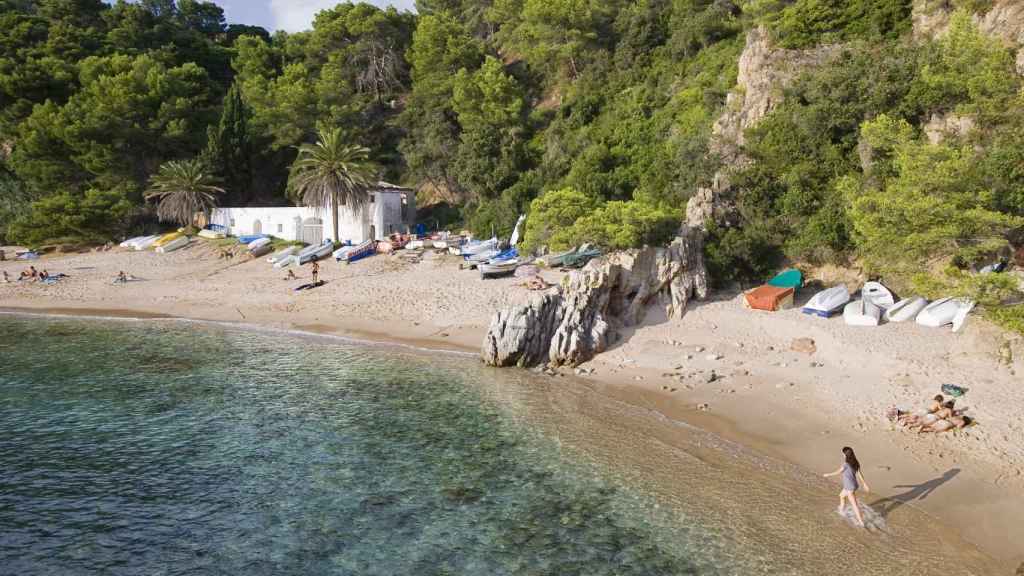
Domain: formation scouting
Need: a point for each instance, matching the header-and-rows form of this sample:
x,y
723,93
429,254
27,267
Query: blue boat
x,y
251,238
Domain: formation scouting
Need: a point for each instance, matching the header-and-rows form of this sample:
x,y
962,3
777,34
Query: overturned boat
x,y
828,302
313,253
906,310
945,312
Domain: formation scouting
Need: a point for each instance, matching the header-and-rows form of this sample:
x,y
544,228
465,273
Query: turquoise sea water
x,y
176,448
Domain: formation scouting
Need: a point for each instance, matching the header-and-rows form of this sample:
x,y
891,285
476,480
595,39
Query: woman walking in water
x,y
852,481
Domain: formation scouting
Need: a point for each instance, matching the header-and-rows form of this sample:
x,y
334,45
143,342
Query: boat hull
x,y
862,312
173,245
828,303
906,310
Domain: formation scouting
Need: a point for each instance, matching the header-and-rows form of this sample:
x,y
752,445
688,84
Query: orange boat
x,y
770,298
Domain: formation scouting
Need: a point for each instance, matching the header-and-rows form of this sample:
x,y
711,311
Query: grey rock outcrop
x,y
1004,20
764,71
580,318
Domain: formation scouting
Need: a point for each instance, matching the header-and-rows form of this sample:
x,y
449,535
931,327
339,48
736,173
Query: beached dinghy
x,y
477,247
282,254
769,298
166,239
558,259
791,278
258,243
312,253
878,294
250,238
359,252
211,234
905,310
342,252
828,302
130,243
863,312
145,243
944,312
286,261
179,242
961,316
494,269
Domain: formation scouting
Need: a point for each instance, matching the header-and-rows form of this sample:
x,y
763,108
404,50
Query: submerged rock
x,y
578,320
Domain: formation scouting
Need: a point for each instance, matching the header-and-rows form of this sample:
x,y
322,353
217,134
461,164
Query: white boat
x,y
878,294
130,242
414,245
495,269
286,261
944,312
145,243
441,244
342,252
827,302
863,312
211,234
961,316
260,251
906,309
474,248
282,254
258,243
311,253
173,245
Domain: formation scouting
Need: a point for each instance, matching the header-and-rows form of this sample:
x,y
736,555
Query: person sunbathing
x,y
946,424
913,417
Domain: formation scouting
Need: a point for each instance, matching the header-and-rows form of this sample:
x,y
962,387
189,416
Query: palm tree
x,y
331,173
182,188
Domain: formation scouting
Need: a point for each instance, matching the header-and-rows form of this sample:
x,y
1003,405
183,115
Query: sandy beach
x,y
798,406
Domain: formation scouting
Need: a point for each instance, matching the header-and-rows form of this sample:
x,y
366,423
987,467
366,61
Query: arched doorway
x,y
257,226
313,231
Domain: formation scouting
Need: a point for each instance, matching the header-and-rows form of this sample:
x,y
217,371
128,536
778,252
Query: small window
x,y
405,206
373,198
280,228
232,221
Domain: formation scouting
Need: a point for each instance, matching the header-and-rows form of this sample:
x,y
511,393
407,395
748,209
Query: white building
x,y
391,209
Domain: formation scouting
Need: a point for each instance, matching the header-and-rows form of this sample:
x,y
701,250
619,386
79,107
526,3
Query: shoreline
x,y
657,403
798,408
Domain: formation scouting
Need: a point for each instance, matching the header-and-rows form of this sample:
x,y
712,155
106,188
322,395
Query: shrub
x,y
619,225
96,216
552,217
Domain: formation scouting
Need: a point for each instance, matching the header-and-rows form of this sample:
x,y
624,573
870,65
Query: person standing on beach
x,y
852,481
316,272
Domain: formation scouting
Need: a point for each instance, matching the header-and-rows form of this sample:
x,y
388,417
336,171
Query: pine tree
x,y
228,149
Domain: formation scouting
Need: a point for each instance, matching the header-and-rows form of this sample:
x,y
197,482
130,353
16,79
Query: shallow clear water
x,y
176,448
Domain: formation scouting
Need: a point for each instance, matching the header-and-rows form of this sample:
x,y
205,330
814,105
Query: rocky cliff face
x,y
576,321
1004,20
764,72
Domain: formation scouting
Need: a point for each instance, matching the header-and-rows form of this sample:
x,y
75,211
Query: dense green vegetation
x,y
594,116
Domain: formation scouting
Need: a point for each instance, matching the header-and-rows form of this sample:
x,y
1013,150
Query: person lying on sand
x,y
947,424
44,275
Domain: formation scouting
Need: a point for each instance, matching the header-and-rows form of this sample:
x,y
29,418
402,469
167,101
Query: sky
x,y
290,15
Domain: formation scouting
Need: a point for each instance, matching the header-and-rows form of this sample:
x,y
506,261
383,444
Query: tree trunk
x,y
334,216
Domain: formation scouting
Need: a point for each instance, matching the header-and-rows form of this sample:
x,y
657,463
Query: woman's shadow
x,y
886,506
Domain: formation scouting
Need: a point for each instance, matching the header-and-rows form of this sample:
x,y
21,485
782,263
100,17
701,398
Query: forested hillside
x,y
900,147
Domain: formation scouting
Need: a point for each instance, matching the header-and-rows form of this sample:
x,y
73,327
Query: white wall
x,y
384,215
